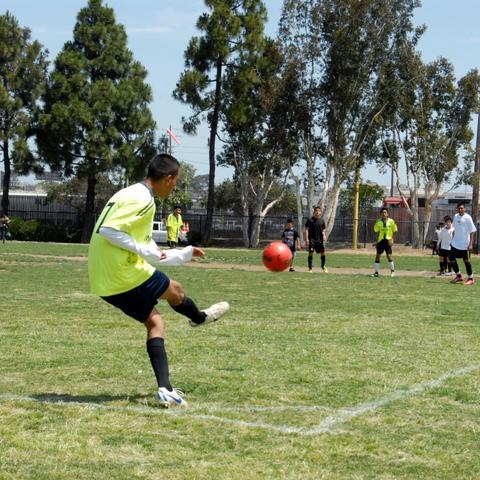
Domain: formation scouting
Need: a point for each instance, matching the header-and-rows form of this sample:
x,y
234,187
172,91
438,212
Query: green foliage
x,y
230,30
182,194
25,229
23,68
370,195
73,191
96,116
228,198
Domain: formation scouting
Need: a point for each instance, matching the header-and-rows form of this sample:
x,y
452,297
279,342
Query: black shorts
x,y
139,302
384,246
444,253
455,253
316,246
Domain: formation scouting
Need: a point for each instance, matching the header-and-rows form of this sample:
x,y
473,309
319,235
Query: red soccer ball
x,y
277,256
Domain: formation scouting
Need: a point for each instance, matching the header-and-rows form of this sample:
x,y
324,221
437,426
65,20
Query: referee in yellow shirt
x,y
385,228
121,265
174,225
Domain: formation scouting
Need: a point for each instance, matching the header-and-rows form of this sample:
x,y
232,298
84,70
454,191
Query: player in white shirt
x,y
462,243
444,240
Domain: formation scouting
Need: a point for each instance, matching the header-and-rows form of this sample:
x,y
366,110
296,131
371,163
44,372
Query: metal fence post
x,y
45,226
365,233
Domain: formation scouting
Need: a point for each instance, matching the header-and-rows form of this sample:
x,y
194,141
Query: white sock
x,y
377,267
392,266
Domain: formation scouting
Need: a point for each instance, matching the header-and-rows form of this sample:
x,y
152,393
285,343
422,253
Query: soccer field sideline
x,y
250,260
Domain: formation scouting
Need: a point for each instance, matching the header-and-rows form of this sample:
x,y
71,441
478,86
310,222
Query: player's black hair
x,y
460,204
318,207
384,209
289,220
161,166
177,206
446,218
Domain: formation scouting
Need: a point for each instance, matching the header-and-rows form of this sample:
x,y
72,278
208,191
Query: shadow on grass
x,y
144,400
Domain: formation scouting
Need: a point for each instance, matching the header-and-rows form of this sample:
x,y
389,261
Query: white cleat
x,y
392,273
213,313
169,399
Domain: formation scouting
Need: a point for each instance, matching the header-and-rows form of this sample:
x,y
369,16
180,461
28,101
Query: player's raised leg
x,y
176,298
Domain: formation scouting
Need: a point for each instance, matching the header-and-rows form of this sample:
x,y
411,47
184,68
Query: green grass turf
x,y
290,340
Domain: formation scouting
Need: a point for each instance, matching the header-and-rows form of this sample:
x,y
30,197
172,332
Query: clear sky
x,y
159,30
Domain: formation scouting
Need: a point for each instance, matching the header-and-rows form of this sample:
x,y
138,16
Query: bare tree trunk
x,y
89,221
245,213
331,208
258,220
416,235
310,159
326,187
211,153
6,177
298,194
430,197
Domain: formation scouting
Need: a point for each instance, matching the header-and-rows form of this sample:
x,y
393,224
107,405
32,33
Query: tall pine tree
x,y
228,29
23,68
96,116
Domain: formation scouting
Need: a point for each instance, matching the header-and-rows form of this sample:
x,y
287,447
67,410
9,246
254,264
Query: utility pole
x,y
476,182
170,142
356,202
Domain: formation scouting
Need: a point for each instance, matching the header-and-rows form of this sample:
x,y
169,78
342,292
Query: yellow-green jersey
x,y
112,269
174,225
385,229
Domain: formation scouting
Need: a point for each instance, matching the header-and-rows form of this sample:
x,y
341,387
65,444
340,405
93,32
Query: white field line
x,y
327,425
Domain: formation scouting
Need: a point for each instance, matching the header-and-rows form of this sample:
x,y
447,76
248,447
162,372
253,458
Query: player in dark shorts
x,y
291,237
315,238
122,261
385,228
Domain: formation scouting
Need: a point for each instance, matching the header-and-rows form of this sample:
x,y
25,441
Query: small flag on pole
x,y
172,135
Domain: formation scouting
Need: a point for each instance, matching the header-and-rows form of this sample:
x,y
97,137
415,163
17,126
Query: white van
x,y
159,233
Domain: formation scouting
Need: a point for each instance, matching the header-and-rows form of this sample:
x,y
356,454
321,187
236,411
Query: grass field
x,y
308,377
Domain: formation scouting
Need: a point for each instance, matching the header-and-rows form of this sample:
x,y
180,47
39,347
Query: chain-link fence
x,y
64,226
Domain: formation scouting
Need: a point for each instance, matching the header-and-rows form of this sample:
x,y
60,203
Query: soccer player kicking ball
x,y
386,229
315,238
462,244
121,264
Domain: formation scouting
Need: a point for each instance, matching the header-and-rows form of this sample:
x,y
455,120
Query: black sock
x,y
322,259
442,266
158,358
455,267
190,310
469,269
310,261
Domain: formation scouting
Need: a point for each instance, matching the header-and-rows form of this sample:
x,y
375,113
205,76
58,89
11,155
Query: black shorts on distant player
x,y
316,247
384,246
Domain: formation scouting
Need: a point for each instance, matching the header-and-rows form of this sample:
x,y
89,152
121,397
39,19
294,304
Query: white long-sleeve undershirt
x,y
149,253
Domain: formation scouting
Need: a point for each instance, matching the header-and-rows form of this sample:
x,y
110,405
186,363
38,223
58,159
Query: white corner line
x,y
343,415
326,426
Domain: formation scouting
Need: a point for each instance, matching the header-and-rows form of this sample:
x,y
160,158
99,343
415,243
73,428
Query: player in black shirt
x,y
291,237
315,238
